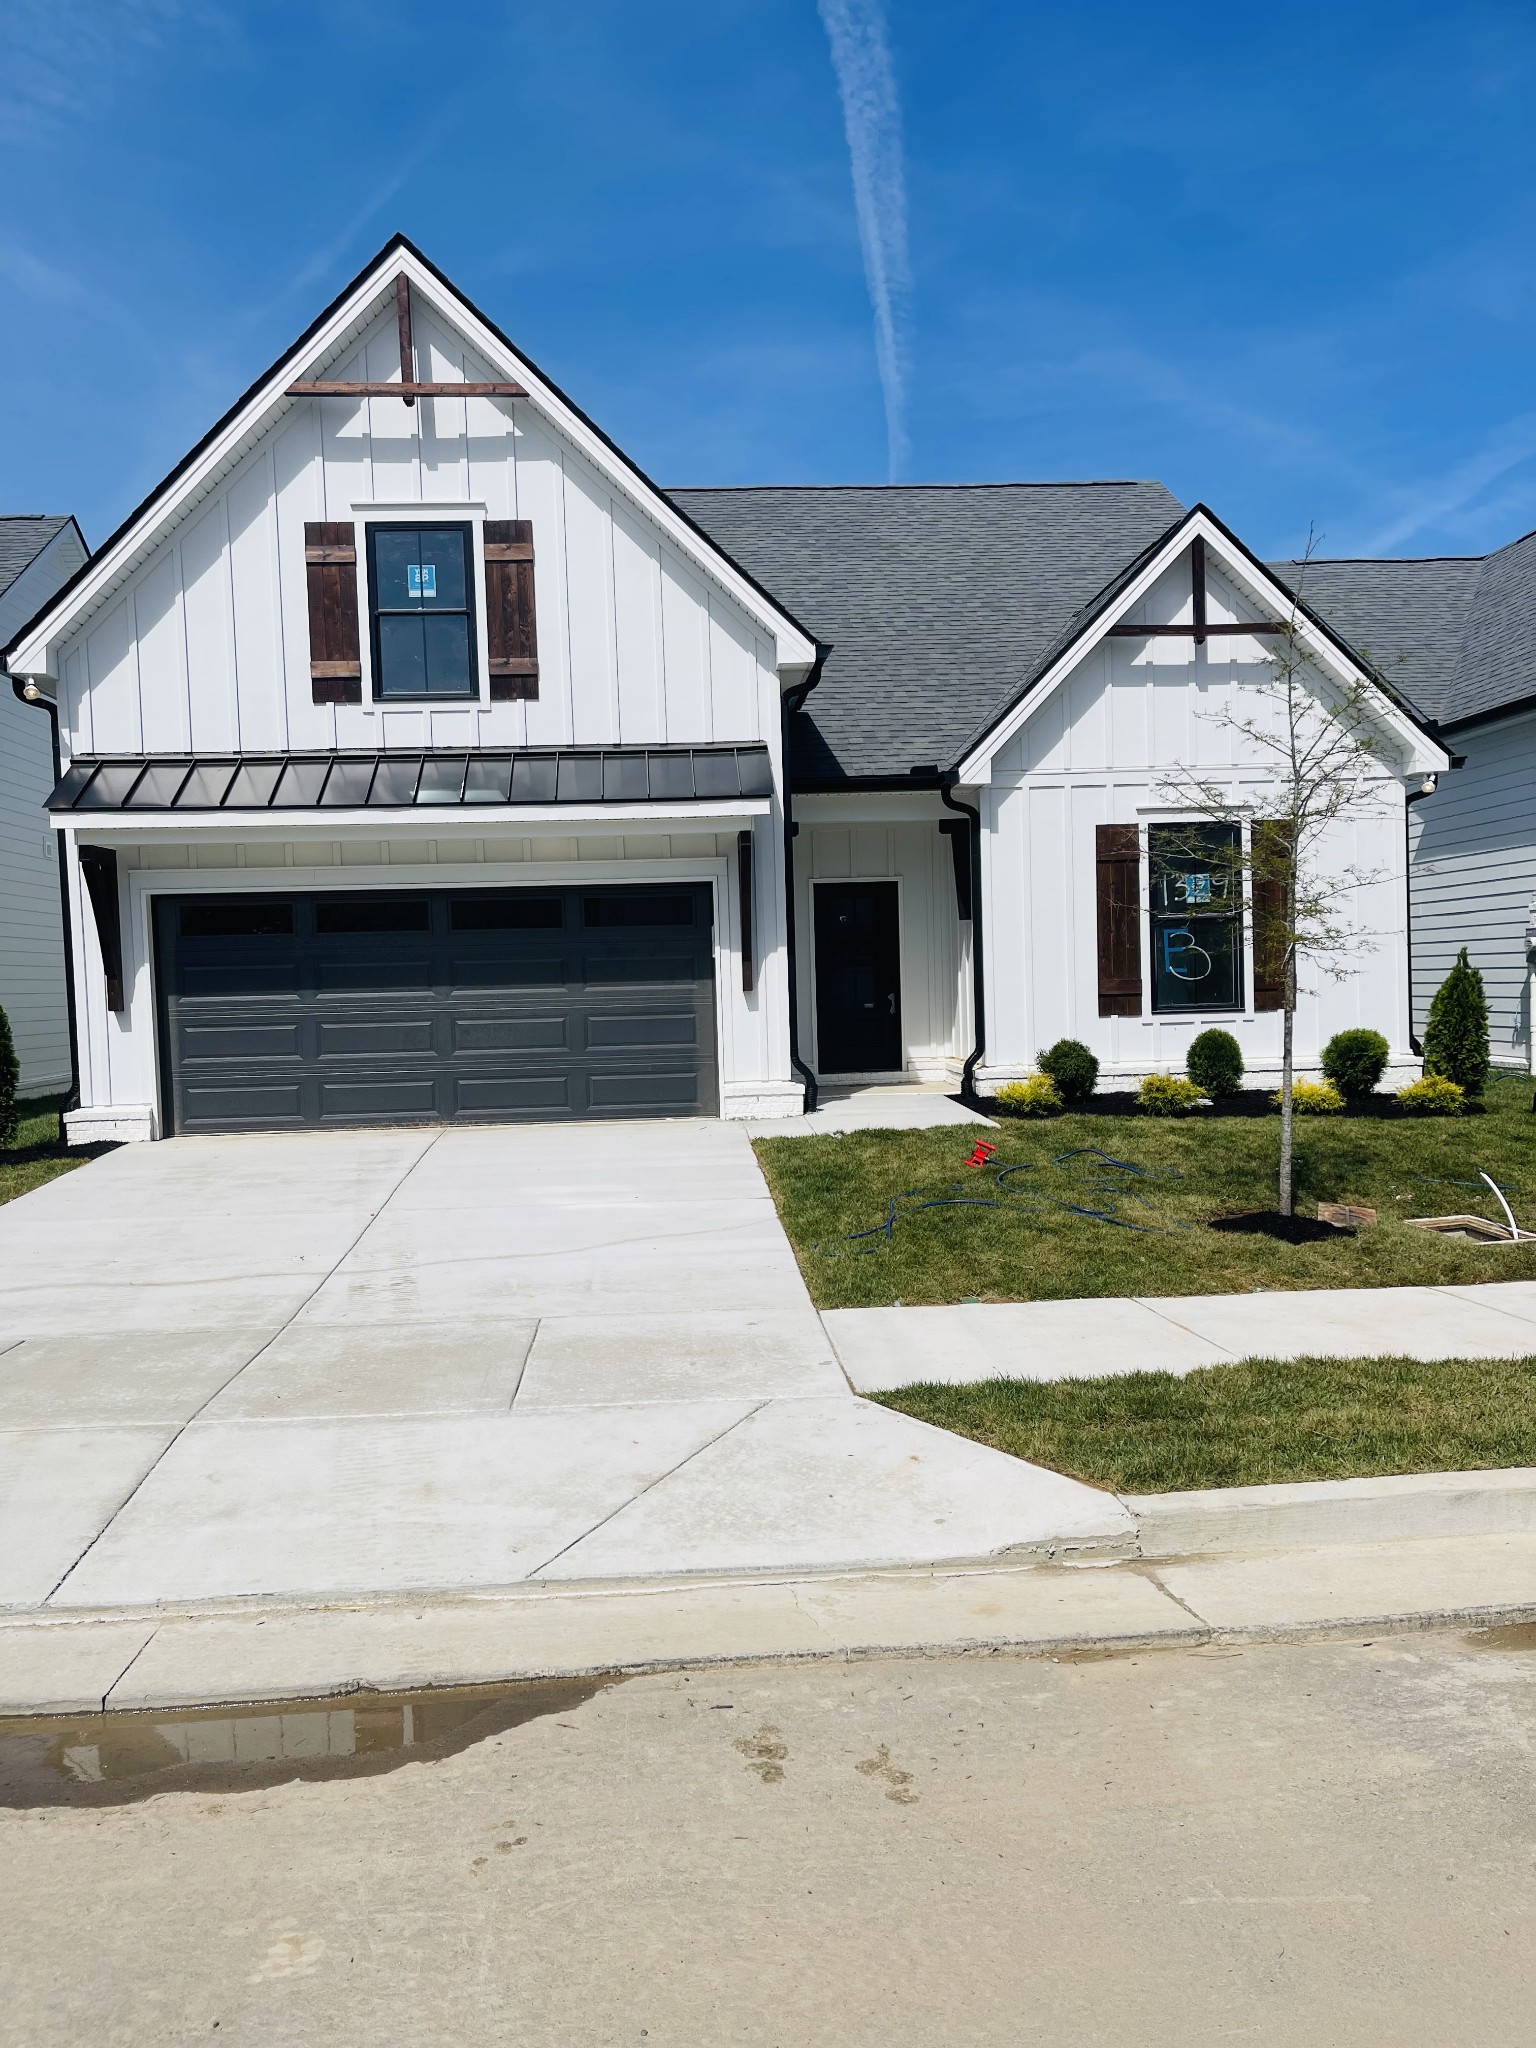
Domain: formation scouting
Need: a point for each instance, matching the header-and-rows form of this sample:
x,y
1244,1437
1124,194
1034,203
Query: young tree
x,y
1318,745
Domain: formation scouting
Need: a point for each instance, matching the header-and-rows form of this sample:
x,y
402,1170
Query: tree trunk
x,y
1286,1063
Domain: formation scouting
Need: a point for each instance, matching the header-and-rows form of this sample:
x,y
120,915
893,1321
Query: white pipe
x,y
1514,1231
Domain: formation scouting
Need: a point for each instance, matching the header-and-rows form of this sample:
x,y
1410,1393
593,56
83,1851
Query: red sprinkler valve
x,y
982,1153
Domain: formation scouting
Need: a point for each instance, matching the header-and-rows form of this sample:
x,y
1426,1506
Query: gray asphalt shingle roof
x,y
1456,634
941,602
23,536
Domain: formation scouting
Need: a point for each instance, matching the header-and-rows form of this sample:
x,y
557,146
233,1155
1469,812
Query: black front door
x,y
858,978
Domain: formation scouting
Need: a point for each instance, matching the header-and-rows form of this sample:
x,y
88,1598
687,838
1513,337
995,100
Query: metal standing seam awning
x,y
136,785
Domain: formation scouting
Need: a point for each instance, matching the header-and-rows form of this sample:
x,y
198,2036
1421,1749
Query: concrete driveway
x,y
327,1364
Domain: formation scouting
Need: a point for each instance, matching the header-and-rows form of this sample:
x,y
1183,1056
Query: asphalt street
x,y
1320,1843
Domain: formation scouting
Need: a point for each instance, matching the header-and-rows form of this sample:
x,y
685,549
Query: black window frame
x,y
371,530
1232,915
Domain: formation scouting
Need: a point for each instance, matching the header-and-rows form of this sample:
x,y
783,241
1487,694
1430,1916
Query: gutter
x,y
27,692
1415,796
978,986
792,701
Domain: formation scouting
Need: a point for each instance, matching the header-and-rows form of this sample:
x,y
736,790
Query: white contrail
x,y
866,82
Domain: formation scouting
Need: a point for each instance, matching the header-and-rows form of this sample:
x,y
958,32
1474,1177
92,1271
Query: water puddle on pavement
x,y
112,1759
1513,1635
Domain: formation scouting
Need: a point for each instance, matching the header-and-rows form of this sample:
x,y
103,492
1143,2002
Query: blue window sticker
x,y
1195,888
421,579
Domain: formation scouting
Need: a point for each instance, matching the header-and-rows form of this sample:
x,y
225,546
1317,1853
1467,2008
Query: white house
x,y
1458,635
38,554
423,760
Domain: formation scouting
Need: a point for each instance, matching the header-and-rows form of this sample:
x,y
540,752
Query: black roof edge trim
x,y
940,778
396,243
1512,709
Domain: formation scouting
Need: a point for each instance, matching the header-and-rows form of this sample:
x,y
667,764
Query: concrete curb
x,y
63,1667
1406,1508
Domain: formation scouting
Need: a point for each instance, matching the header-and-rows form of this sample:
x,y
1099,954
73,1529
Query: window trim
x,y
474,573
1240,916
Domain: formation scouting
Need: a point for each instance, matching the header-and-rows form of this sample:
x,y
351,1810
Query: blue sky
x,y
1286,264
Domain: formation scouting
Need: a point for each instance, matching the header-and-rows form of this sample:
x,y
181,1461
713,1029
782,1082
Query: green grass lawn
x,y
1252,1424
38,1155
1029,1247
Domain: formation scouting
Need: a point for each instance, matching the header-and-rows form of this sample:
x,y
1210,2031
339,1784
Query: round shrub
x,y
1072,1067
1433,1096
1037,1095
1168,1095
1312,1098
1456,1032
1215,1063
1355,1061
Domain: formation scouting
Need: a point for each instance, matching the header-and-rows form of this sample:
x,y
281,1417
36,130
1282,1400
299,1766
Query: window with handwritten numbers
x,y
1197,917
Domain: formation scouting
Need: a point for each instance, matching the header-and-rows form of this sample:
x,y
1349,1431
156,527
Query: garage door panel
x,y
643,1089
511,1034
356,1035
234,977
518,968
604,969
510,1004
514,1095
216,1102
243,1041
356,1101
660,1027
390,973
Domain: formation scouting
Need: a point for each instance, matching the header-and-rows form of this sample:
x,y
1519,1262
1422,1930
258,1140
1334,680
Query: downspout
x,y
27,692
791,702
1426,788
978,996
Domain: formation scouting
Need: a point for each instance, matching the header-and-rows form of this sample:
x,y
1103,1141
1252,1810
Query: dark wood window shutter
x,y
1118,859
1271,847
511,637
335,651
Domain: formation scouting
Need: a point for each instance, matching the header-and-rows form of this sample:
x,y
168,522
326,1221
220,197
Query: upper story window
x,y
1197,917
421,618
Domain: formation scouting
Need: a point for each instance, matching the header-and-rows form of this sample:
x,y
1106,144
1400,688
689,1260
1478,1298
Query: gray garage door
x,y
450,1006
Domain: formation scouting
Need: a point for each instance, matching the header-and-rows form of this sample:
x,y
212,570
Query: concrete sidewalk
x,y
882,1348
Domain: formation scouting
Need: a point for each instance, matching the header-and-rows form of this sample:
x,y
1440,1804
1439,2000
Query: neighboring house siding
x,y
31,924
1474,877
206,645
1100,751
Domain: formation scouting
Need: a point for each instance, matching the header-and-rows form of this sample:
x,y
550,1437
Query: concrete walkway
x,y
1055,1340
323,1365
900,1106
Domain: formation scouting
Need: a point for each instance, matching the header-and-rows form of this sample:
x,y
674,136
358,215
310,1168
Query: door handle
x,y
892,1001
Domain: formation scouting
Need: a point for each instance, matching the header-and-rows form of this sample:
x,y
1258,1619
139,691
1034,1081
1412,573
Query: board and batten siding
x,y
1473,877
872,839
1098,752
205,646
32,988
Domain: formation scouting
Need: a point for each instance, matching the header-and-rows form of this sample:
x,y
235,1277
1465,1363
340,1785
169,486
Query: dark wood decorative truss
x,y
410,388
1202,629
